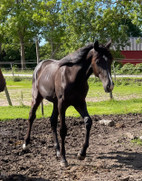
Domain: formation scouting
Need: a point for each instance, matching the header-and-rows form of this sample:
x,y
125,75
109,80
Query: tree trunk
x,y
37,51
22,53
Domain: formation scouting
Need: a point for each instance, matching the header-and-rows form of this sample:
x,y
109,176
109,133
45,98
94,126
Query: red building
x,y
133,51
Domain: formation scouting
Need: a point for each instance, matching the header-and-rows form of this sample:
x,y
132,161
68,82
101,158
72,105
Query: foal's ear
x,y
108,44
96,45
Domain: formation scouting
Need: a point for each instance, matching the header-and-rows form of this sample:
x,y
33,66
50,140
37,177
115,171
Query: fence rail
x,y
30,64
16,65
20,96
117,69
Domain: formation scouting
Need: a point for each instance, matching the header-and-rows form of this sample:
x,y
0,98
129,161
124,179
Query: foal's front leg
x,y
82,109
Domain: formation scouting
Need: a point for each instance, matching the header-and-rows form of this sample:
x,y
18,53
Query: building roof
x,y
133,44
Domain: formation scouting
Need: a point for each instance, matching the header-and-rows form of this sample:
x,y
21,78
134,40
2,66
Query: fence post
x,y
12,69
7,96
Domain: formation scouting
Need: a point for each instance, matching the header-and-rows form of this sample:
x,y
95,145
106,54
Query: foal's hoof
x,y
24,147
58,154
64,163
81,157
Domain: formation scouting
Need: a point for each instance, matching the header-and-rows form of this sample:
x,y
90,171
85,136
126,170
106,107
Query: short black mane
x,y
77,56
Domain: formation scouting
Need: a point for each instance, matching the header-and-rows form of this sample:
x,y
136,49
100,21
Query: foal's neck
x,y
88,65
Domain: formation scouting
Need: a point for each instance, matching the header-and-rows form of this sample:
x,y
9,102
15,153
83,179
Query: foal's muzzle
x,y
107,81
109,87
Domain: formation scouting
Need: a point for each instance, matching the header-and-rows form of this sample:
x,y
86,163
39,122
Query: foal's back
x,y
54,81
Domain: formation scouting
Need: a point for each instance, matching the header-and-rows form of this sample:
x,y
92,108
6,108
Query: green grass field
x,y
127,99
94,108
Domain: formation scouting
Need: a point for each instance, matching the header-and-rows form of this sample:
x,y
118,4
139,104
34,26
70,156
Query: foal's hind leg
x,y
32,115
54,120
63,132
82,109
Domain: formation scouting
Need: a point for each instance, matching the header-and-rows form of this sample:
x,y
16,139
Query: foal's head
x,y
101,64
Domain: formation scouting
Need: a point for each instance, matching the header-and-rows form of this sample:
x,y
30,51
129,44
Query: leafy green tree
x,y
52,27
66,24
86,20
132,29
82,21
134,10
19,23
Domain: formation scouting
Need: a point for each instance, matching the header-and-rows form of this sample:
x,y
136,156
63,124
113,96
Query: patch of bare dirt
x,y
111,155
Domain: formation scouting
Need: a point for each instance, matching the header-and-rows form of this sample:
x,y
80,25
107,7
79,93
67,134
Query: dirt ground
x,y
111,155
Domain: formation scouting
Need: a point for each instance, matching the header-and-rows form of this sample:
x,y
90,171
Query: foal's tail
x,y
34,84
35,73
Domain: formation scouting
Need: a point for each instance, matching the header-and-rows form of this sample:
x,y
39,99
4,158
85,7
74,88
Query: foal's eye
x,y
104,57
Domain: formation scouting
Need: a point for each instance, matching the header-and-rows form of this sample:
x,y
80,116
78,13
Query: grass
x,y
99,108
123,89
17,71
19,82
127,94
138,141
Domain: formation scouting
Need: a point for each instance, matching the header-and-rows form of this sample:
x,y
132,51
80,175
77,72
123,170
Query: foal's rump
x,y
43,78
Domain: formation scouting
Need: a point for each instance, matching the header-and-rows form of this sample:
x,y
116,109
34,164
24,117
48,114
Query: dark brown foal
x,y
64,83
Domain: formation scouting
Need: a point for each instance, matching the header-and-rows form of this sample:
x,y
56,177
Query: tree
x,y
19,23
134,11
96,19
4,6
67,24
52,27
132,29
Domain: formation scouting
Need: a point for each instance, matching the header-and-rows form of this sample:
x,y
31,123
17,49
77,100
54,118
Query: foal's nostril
x,y
109,87
106,88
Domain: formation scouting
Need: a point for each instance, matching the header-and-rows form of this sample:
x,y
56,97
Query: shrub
x,y
17,79
127,68
138,68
